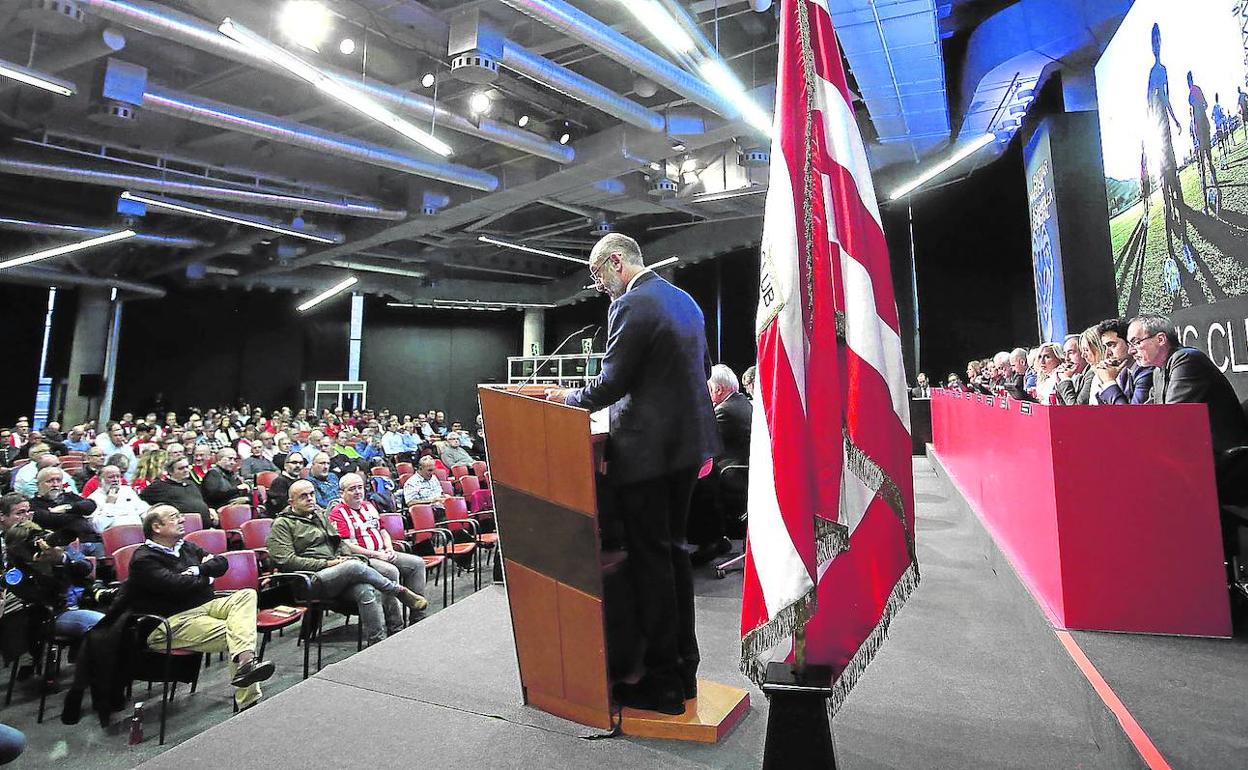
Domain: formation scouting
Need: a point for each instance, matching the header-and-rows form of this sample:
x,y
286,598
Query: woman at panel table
x,y
1048,359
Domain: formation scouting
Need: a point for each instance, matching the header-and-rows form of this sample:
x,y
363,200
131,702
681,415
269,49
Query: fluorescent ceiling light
x,y
120,235
664,263
659,22
37,79
332,86
963,152
305,23
722,80
209,213
331,291
723,195
471,304
530,249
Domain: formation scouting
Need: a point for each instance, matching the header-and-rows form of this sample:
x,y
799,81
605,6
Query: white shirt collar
x,y
642,272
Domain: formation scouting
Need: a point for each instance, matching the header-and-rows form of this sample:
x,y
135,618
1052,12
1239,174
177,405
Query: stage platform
x,y
973,676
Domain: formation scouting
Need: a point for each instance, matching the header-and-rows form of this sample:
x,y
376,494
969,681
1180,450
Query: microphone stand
x,y
555,352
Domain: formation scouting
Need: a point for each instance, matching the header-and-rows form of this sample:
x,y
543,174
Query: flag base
x,y
799,731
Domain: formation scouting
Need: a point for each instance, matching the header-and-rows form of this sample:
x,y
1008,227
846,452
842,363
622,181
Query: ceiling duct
x,y
598,36
470,35
755,157
83,232
183,28
18,166
662,188
230,118
56,17
88,48
42,277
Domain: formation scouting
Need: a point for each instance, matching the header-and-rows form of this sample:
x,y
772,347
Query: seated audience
x,y
279,490
222,485
1125,380
60,511
358,522
1048,358
179,491
425,488
116,503
26,486
452,453
171,576
323,480
76,441
151,467
303,540
50,572
1074,377
708,522
113,443
254,464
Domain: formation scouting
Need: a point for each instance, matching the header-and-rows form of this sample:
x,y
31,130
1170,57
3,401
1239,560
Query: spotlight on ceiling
x,y
347,46
565,137
524,121
305,23
427,80
480,103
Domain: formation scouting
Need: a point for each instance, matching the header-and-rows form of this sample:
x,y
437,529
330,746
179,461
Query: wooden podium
x,y
543,467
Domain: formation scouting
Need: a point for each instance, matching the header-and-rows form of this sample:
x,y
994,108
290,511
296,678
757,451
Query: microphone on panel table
x,y
537,369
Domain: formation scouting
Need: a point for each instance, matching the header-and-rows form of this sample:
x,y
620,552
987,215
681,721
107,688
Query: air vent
x,y
113,113
662,187
56,17
602,227
475,67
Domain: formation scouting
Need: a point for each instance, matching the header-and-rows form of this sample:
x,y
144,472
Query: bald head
x,y
303,498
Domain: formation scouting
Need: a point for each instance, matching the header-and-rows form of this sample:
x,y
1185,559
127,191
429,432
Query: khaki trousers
x,y
225,624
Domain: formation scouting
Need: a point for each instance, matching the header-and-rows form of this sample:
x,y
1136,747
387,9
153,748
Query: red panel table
x,y
1108,513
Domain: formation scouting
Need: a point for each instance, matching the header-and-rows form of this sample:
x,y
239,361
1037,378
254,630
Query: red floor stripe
x,y
1143,744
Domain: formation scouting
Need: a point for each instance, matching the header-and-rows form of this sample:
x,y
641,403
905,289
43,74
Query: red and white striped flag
x,y
831,501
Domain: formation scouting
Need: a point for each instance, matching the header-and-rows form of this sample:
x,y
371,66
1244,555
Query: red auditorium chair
x,y
459,471
404,477
244,572
232,518
192,522
405,469
211,540
265,478
381,470
121,560
442,473
115,538
448,488
469,485
393,524
479,468
459,520
256,535
426,530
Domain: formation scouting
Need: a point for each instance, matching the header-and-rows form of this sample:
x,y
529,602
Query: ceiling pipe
x,y
87,48
581,26
231,118
69,173
545,72
365,267
186,29
41,277
82,232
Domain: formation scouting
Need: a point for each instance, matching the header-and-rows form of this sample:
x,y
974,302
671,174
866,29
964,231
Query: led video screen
x,y
1173,108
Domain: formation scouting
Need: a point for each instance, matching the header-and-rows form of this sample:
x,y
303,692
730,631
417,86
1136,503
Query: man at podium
x,y
662,429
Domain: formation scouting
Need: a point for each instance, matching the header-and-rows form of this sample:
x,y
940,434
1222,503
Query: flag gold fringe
x,y
866,651
831,539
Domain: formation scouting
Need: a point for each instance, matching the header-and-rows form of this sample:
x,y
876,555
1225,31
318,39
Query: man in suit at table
x,y
921,388
662,428
714,493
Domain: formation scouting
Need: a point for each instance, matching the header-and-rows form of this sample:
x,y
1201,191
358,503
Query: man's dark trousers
x,y
655,514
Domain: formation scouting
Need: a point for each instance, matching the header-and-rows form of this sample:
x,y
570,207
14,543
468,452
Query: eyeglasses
x,y
1135,343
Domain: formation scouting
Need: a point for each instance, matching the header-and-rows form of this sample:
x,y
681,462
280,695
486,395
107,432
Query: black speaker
x,y
90,385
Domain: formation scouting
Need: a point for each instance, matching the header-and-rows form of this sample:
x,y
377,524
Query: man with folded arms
x,y
303,540
172,577
358,523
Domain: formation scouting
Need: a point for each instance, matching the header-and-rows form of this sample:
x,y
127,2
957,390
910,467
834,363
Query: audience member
x,y
254,464
114,442
452,453
1048,358
222,485
424,488
60,511
151,467
24,482
708,522
358,522
77,441
324,481
303,540
1074,378
172,577
279,491
115,503
179,491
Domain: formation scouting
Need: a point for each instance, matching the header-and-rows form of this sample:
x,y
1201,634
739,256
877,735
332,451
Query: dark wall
x,y
972,245
415,360
24,310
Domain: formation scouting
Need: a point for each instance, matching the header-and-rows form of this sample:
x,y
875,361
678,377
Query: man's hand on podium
x,y
558,394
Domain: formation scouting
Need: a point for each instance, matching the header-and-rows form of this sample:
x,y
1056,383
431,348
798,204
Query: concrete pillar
x,y
356,337
534,332
88,354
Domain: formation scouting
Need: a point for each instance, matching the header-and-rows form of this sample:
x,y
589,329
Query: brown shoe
x,y
412,600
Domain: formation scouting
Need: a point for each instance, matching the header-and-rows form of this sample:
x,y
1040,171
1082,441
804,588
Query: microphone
x,y
555,352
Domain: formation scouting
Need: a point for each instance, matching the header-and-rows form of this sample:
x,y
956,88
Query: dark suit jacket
x,y
732,416
1133,386
1076,390
1188,376
917,392
1015,387
654,379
